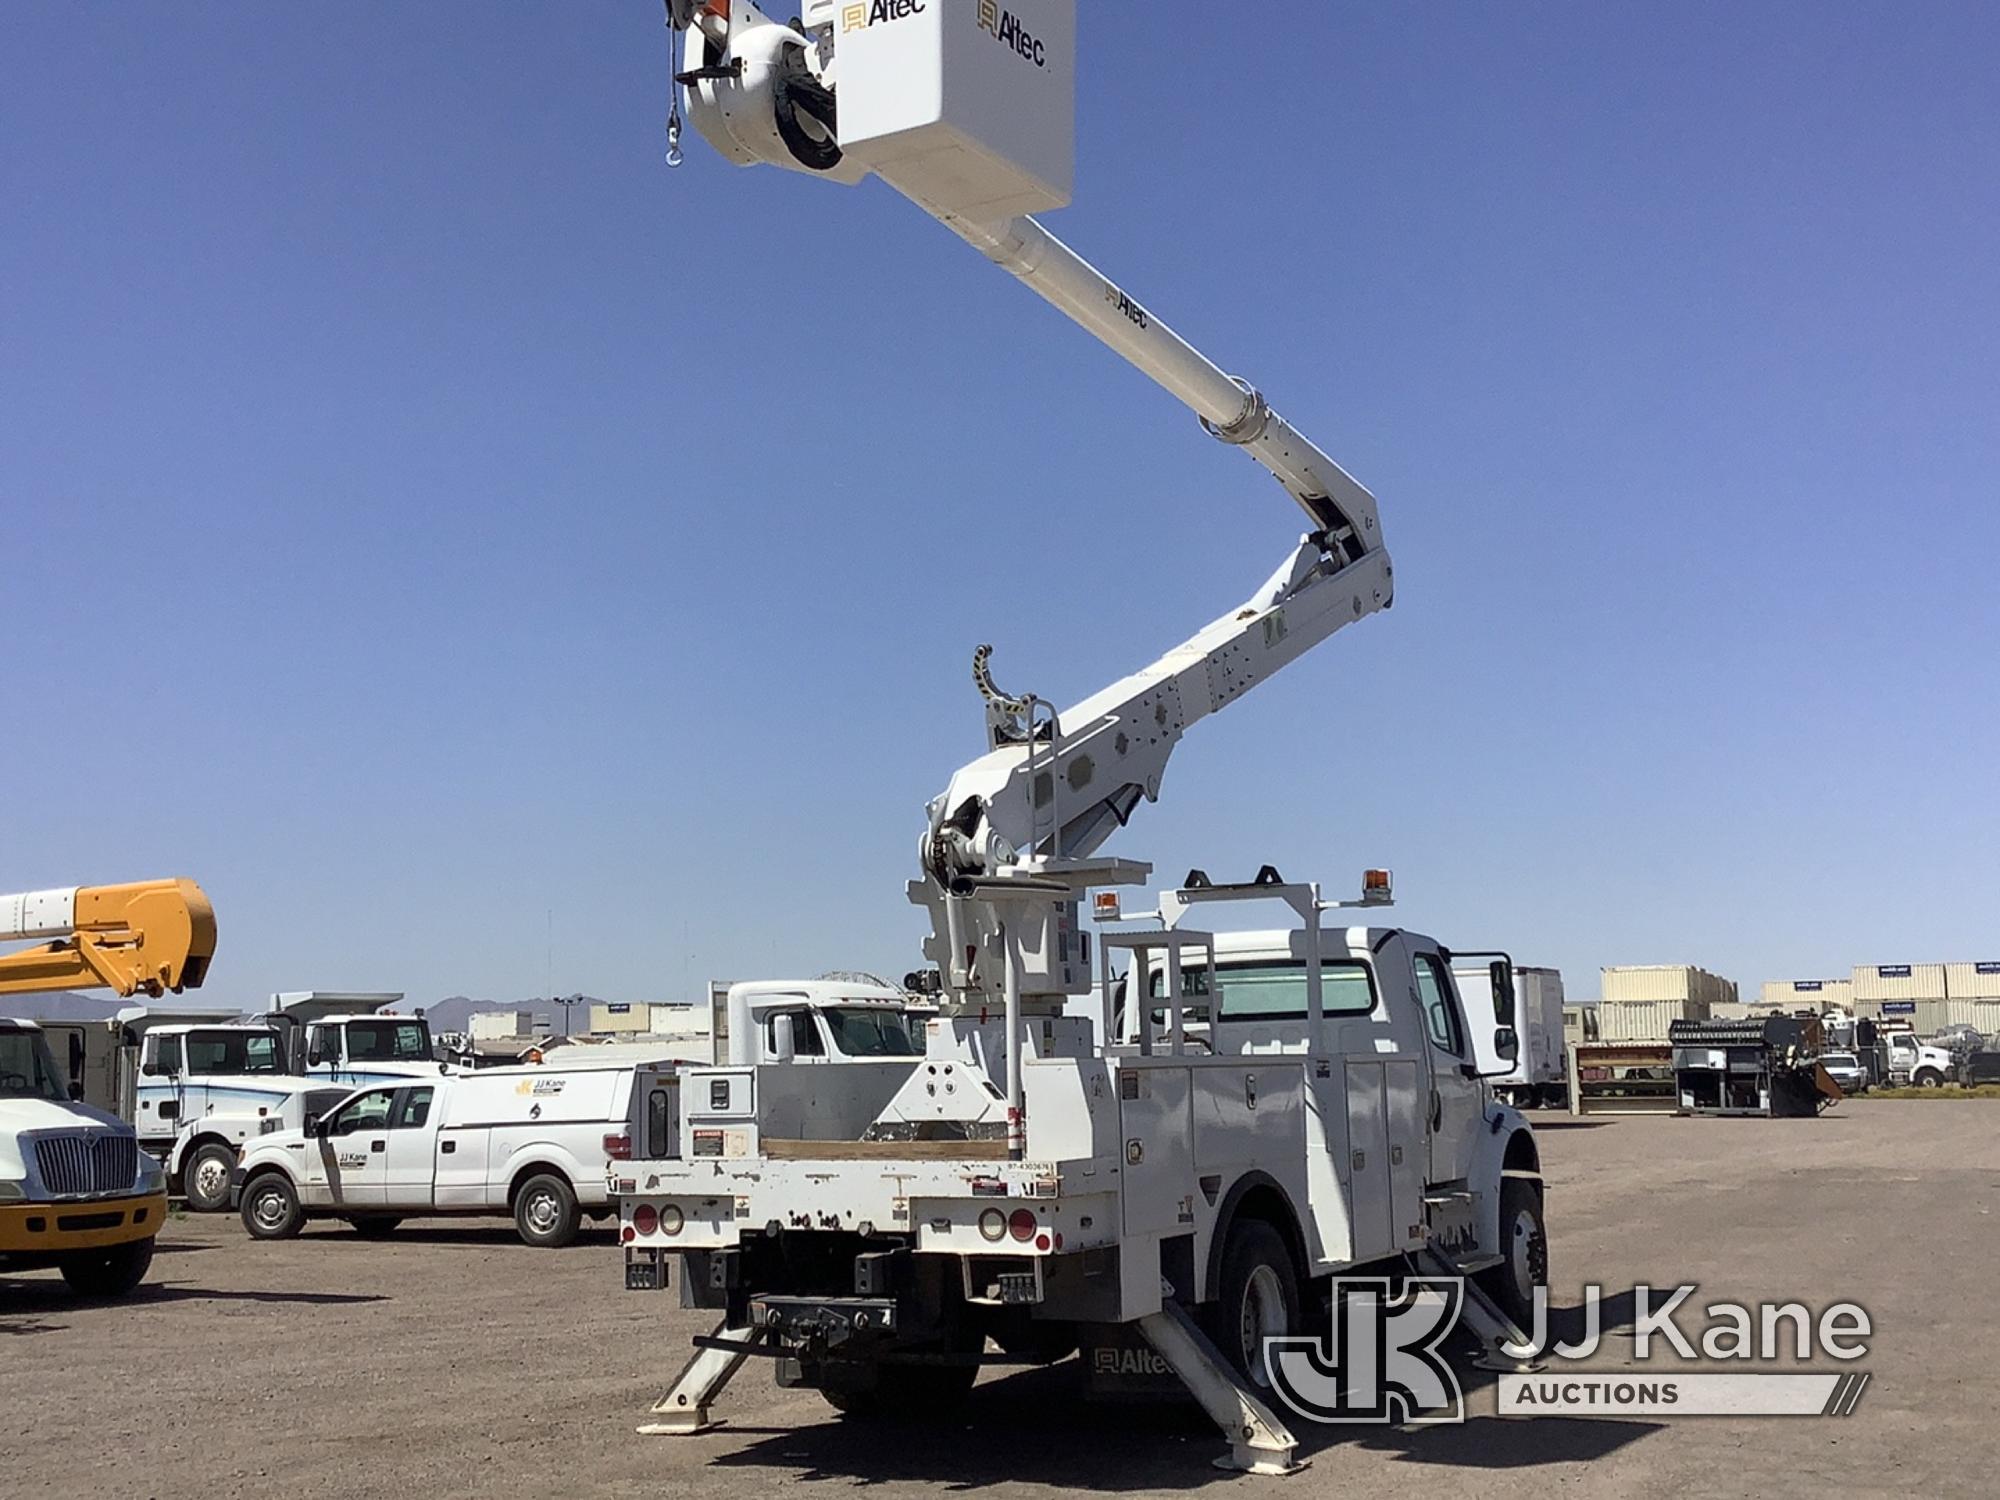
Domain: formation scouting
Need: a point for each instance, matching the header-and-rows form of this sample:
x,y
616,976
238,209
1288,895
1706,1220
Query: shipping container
x,y
1666,982
1645,1020
1982,1016
1973,981
1815,994
1899,982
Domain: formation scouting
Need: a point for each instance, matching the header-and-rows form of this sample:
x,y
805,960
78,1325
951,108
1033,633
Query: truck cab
x,y
374,1048
187,1072
76,1192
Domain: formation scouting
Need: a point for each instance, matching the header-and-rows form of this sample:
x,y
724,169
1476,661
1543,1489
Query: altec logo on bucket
x,y
855,17
1384,1363
1008,28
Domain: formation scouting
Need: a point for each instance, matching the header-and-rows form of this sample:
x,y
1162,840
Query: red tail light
x,y
645,1218
618,1147
1021,1224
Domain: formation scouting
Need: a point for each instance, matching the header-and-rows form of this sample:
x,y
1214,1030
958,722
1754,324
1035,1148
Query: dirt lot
x,y
454,1361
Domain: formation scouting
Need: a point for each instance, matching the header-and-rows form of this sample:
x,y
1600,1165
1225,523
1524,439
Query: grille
x,y
93,1163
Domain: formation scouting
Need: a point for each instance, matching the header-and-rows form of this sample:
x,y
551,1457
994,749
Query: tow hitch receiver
x,y
825,1322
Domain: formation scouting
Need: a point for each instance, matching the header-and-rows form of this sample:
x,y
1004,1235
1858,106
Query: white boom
x,y
959,123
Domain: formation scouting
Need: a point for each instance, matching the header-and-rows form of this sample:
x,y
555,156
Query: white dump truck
x,y
1540,1074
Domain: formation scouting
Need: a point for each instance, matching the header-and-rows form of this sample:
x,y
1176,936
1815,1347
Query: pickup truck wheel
x,y
1524,1250
1258,1298
374,1226
271,1208
545,1212
206,1178
108,1273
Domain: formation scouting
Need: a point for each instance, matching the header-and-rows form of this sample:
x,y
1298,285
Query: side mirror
x,y
1500,978
151,1070
1507,1044
784,1041
76,1092
310,1125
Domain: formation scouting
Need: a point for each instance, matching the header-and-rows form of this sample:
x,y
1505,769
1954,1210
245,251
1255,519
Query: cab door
x,y
412,1153
354,1153
1457,1097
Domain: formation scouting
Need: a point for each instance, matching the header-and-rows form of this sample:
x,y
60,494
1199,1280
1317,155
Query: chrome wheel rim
x,y
543,1213
269,1209
1262,1316
211,1179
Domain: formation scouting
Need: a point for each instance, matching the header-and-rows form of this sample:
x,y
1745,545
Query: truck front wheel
x,y
545,1212
271,1208
1524,1252
108,1273
1258,1298
206,1178
1928,1078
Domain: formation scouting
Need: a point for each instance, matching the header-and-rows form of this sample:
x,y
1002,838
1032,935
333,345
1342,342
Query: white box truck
x,y
1540,1074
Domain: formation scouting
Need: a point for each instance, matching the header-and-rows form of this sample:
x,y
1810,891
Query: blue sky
x,y
486,559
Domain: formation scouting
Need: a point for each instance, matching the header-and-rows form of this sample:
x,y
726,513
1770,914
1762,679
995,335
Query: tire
x,y
1928,1078
545,1212
108,1273
205,1178
374,1226
271,1209
904,1393
1524,1249
1258,1298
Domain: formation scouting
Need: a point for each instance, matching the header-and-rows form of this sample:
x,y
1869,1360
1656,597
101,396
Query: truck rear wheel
x,y
899,1392
1524,1252
545,1212
108,1273
205,1179
271,1208
1258,1298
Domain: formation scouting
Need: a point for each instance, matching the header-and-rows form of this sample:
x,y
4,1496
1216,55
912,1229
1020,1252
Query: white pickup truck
x,y
531,1142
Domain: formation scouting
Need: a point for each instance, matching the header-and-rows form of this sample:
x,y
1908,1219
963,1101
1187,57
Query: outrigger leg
x,y
1258,1442
684,1408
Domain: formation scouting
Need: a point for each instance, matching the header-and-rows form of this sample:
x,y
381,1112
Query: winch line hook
x,y
674,154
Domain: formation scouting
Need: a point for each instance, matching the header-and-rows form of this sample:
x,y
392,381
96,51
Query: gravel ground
x,y
455,1361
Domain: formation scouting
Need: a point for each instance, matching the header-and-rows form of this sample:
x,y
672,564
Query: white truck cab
x,y
373,1048
76,1192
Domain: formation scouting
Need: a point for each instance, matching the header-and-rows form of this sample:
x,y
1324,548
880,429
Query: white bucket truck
x,y
1039,1179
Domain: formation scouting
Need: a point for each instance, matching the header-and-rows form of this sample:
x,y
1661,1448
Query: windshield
x,y
388,1041
876,1031
233,1052
26,1068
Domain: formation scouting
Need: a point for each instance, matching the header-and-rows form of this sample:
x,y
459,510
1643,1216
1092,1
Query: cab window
x,y
1272,991
805,1035
1440,1015
413,1108
368,1112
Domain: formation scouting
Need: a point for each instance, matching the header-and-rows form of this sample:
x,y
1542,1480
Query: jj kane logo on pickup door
x,y
856,17
1008,28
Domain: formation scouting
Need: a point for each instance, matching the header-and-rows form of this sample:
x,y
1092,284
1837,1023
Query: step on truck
x,y
1310,1106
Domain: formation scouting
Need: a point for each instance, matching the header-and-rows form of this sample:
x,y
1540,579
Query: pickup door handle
x,y
445,1148
378,1145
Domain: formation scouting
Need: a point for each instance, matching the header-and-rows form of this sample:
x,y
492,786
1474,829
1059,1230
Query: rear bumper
x,y
43,1229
